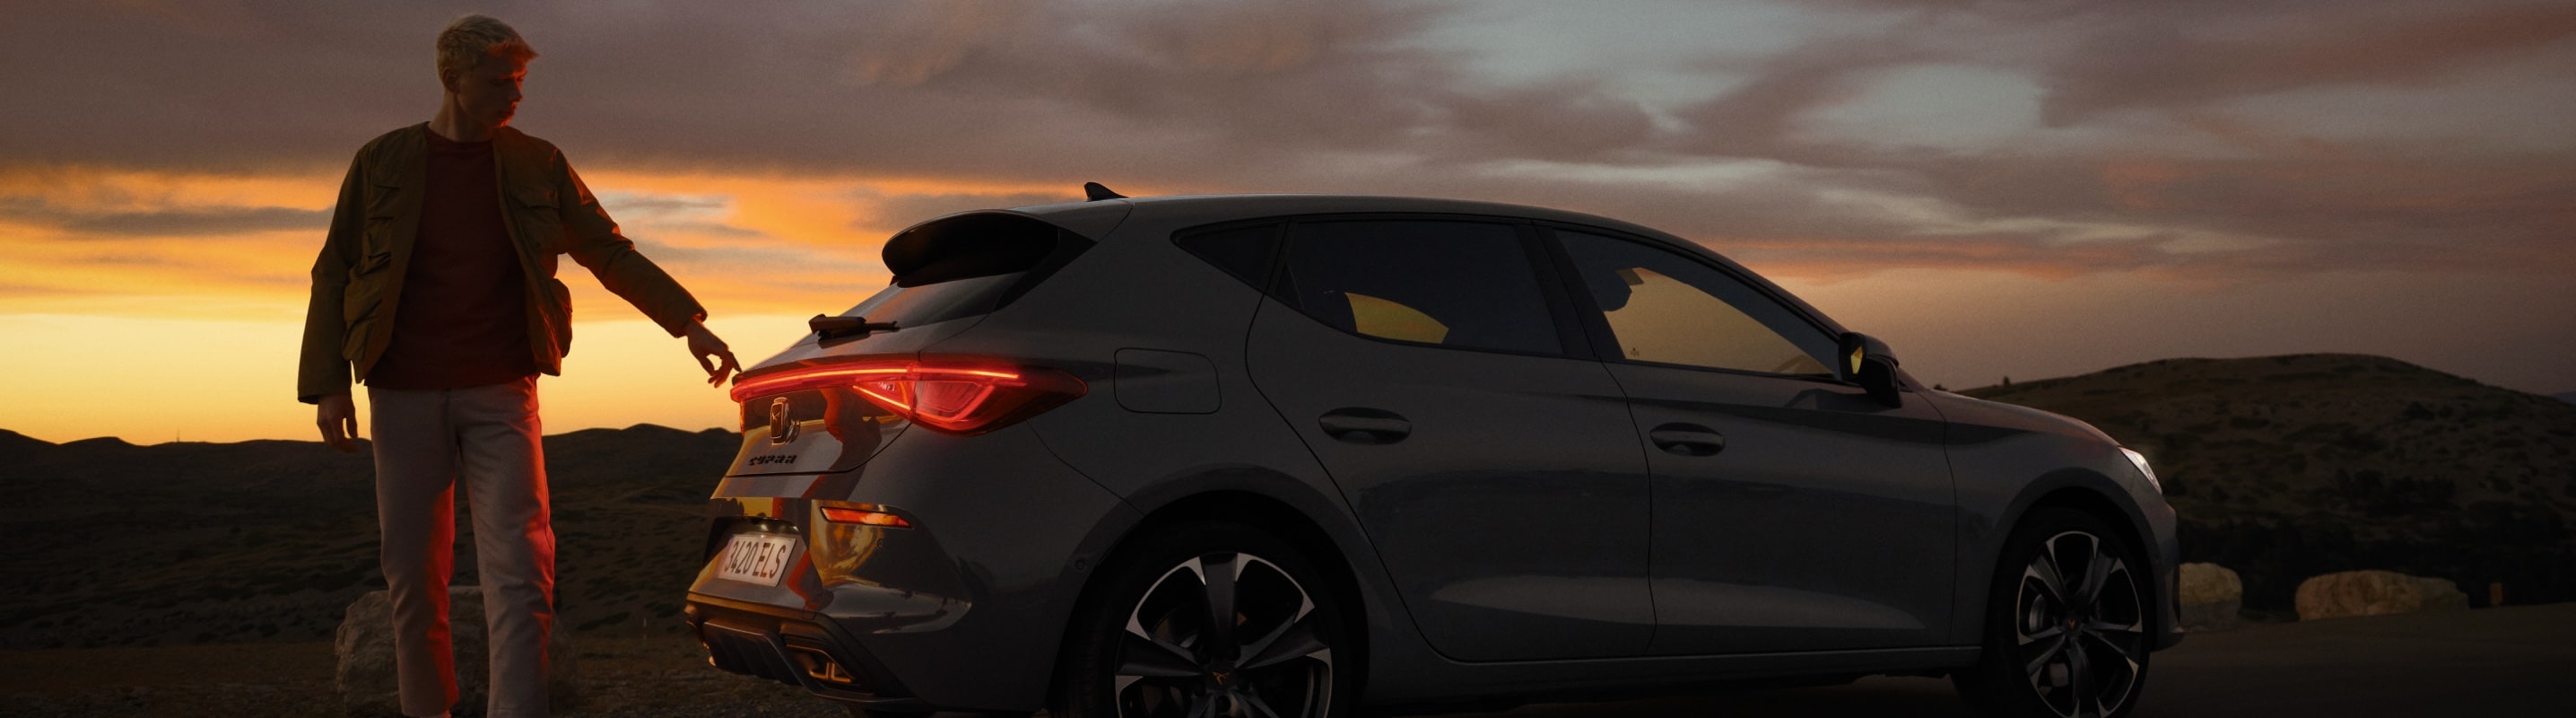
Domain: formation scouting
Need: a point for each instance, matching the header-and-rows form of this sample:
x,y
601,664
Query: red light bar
x,y
815,378
954,396
845,515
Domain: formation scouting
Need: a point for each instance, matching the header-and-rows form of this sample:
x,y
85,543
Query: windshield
x,y
932,303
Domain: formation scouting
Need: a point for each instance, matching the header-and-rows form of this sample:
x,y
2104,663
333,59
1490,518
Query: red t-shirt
x,y
463,317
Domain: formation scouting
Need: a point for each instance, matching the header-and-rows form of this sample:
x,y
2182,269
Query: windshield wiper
x,y
833,328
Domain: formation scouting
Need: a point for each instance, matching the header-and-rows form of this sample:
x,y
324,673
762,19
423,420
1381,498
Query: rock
x,y
365,649
2376,593
2211,595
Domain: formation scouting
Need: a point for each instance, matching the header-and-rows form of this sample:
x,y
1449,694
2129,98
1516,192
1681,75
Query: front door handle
x,y
1365,426
1687,439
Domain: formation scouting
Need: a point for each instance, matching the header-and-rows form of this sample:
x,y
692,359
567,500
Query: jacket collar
x,y
405,159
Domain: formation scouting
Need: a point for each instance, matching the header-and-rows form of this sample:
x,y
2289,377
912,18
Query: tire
x,y
1139,645
2047,657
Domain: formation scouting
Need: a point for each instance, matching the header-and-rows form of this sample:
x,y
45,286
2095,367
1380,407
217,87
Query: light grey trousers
x,y
487,437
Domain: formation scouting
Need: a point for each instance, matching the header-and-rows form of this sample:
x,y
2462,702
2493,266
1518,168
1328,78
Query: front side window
x,y
1667,308
1457,284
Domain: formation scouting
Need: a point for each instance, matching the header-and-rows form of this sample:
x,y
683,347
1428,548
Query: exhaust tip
x,y
820,666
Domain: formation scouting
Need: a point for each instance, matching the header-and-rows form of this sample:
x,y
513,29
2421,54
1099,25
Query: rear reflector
x,y
952,396
845,515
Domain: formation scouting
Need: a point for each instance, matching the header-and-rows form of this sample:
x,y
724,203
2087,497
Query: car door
x,y
1426,366
1791,511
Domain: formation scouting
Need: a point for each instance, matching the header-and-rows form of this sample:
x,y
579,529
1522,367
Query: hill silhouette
x,y
2291,466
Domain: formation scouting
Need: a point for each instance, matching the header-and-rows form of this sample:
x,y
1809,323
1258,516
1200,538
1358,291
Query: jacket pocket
x,y
360,302
370,264
384,218
559,316
539,215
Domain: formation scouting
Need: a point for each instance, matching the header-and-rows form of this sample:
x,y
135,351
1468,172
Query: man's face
x,y
488,92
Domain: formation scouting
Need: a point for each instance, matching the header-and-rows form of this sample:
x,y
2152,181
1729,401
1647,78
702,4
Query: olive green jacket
x,y
358,279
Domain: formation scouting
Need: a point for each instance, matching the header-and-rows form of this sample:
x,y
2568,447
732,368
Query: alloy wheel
x,y
1223,634
2080,626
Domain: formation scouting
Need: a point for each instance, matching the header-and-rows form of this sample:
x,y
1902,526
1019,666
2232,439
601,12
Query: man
x,y
436,287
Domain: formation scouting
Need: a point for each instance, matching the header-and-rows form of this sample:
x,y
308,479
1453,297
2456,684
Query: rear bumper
x,y
963,610
797,650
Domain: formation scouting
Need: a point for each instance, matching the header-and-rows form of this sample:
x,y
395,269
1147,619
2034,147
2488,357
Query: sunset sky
x,y
2013,188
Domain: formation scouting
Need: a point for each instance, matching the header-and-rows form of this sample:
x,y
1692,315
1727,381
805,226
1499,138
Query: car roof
x,y
1192,210
1211,208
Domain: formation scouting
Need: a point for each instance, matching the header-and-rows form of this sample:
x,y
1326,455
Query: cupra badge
x,y
781,430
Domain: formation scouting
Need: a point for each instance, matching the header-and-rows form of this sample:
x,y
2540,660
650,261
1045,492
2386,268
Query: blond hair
x,y
473,37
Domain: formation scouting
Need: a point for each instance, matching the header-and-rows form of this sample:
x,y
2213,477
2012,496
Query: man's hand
x,y
338,417
704,345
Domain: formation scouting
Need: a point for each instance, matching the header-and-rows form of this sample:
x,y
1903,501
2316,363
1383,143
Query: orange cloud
x,y
155,279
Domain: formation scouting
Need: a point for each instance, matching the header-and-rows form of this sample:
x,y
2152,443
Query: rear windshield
x,y
933,303
966,265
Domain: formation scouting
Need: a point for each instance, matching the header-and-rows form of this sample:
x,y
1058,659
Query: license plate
x,y
757,558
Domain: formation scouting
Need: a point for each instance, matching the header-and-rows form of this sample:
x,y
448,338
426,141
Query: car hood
x,y
1964,410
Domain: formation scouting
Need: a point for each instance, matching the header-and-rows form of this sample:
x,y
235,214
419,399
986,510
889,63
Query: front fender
x,y
2008,460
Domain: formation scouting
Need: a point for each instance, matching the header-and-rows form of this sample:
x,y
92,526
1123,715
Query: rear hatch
x,y
805,410
824,407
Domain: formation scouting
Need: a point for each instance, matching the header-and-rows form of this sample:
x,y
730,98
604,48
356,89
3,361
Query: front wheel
x,y
1206,619
2066,627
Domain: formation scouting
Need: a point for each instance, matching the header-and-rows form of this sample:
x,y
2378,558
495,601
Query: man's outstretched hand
x,y
705,346
338,417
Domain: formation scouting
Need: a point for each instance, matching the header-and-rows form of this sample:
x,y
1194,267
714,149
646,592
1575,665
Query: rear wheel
x,y
1207,619
2066,623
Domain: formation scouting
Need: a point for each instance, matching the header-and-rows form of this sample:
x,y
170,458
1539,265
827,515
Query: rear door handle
x,y
1687,439
1365,426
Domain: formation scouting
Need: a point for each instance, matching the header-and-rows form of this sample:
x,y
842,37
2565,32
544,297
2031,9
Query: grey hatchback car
x,y
1295,456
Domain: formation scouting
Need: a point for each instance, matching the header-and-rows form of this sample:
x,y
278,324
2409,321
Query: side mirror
x,y
1866,361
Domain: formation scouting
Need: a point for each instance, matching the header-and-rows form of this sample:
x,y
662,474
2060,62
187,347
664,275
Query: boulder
x,y
365,648
2376,593
2211,595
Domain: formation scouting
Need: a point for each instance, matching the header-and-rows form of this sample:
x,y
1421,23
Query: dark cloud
x,y
1341,96
2185,183
2161,60
903,210
1564,120
1006,90
202,221
1759,117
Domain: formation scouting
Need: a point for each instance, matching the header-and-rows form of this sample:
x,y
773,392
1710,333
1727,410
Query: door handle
x,y
1365,426
1687,439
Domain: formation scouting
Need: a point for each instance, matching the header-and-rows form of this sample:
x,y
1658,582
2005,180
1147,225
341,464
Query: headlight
x,y
2143,469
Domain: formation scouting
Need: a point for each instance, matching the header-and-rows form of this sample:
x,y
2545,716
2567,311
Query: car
x,y
1300,455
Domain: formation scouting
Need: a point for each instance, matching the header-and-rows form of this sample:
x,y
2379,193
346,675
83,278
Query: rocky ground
x,y
268,541
2506,661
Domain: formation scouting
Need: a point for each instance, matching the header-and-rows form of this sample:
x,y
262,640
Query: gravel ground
x,y
620,678
2495,662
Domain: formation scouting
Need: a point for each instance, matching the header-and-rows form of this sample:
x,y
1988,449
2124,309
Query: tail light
x,y
954,396
848,515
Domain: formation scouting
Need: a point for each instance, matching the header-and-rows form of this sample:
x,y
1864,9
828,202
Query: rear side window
x,y
1456,284
1242,251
